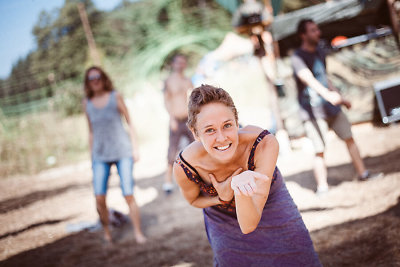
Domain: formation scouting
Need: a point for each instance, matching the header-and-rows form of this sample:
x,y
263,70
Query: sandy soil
x,y
354,224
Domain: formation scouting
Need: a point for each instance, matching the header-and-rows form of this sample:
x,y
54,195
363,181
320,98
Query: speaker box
x,y
388,98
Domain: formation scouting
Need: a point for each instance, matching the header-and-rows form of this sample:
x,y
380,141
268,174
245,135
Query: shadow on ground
x,y
26,200
181,245
386,163
34,225
372,241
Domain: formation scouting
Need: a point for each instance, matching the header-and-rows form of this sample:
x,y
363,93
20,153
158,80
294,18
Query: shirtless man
x,y
176,90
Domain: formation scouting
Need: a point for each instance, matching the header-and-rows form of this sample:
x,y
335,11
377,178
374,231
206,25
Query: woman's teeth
x,y
223,147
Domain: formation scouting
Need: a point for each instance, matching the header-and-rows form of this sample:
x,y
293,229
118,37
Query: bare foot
x,y
140,238
107,236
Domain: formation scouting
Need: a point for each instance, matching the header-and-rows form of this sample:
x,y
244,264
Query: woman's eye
x,y
209,130
228,125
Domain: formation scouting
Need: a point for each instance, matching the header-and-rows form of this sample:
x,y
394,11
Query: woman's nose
x,y
220,136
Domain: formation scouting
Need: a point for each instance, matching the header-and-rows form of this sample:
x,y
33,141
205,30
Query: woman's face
x,y
217,130
95,80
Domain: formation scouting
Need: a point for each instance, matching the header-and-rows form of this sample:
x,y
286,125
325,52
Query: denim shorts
x,y
101,173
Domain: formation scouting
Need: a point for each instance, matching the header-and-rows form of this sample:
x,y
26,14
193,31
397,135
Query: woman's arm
x,y
84,103
191,190
252,187
123,110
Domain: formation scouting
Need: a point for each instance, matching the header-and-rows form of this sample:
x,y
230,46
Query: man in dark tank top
x,y
320,103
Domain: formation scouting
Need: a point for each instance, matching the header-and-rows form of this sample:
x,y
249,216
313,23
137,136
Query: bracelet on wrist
x,y
224,202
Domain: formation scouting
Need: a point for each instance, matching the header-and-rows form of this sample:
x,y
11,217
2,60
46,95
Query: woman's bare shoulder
x,y
191,157
250,132
192,152
118,95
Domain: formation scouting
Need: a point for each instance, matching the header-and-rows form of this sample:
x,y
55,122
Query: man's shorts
x,y
175,137
317,130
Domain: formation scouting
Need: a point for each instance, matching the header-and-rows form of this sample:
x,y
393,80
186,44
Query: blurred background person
x,y
253,18
231,47
110,144
176,89
320,103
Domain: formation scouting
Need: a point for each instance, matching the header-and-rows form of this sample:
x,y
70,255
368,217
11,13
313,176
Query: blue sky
x,y
17,18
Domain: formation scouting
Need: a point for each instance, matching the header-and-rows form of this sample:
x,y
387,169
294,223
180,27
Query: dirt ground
x,y
354,224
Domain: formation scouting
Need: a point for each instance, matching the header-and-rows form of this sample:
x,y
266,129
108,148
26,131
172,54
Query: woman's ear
x,y
194,134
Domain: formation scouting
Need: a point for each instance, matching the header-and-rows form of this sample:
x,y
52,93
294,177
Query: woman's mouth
x,y
223,148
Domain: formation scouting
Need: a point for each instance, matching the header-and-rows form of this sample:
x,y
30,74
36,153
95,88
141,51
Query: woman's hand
x,y
247,182
135,155
224,189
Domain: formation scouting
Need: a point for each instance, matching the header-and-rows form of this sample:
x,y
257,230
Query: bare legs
x,y
168,176
320,170
103,214
269,61
133,213
355,156
168,185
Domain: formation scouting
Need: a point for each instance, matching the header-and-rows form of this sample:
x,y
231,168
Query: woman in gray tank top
x,y
110,144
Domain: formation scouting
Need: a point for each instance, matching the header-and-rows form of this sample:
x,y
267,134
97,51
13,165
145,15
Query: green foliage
x,y
148,32
61,42
68,97
61,54
40,99
20,80
139,36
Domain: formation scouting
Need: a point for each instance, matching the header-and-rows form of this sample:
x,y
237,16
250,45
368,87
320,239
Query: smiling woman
x,y
230,172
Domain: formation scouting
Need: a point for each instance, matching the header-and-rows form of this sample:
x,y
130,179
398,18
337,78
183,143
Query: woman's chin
x,y
223,155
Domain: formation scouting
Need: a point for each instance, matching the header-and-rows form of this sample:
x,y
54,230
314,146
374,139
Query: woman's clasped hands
x,y
246,183
224,190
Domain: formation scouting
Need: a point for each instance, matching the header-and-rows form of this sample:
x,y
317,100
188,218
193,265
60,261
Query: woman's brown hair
x,y
108,86
206,94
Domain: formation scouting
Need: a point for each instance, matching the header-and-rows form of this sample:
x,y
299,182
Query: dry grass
x,y
39,141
